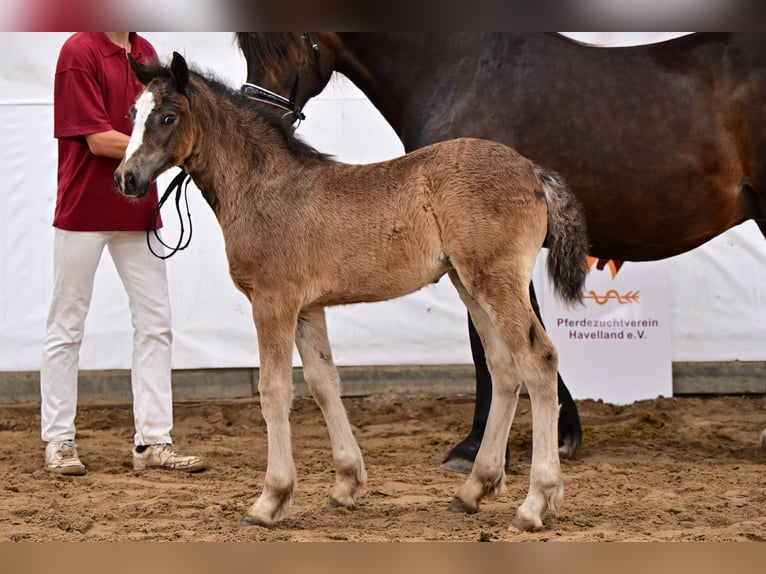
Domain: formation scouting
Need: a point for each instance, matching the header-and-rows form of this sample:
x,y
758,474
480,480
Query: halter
x,y
260,94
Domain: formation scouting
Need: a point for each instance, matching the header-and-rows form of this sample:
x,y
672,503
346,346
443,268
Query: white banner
x,y
717,292
617,346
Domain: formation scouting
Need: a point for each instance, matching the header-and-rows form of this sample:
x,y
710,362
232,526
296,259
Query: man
x,y
93,91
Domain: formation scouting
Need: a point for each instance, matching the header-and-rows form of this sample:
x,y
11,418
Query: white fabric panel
x,y
717,291
718,298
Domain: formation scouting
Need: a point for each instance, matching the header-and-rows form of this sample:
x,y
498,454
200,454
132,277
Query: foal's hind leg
x,y
460,458
323,380
570,429
487,476
516,344
537,361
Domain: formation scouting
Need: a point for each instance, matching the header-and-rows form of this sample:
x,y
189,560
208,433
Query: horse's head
x,y
162,133
296,66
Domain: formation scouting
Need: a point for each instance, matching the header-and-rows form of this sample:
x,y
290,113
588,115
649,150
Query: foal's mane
x,y
262,113
273,51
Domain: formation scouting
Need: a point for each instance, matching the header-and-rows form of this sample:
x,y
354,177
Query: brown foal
x,y
304,232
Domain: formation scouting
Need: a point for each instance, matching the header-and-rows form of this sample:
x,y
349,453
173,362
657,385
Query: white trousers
x,y
76,257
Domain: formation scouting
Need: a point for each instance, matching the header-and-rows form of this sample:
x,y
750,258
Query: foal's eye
x,y
169,119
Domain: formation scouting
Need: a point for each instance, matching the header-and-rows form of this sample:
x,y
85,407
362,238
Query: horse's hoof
x,y
569,446
459,465
458,505
762,441
460,458
565,452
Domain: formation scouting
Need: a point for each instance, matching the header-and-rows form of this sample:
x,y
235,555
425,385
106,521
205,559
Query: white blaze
x,y
144,106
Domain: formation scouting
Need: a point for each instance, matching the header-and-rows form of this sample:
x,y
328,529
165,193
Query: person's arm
x,y
109,144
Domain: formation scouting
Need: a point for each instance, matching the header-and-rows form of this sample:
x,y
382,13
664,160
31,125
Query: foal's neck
x,y
235,153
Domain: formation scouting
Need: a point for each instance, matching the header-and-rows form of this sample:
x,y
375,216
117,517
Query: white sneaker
x,y
163,456
61,457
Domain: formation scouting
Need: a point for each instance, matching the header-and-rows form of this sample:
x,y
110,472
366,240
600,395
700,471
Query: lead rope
x,y
180,184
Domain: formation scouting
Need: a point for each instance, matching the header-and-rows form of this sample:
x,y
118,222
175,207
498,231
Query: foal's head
x,y
163,132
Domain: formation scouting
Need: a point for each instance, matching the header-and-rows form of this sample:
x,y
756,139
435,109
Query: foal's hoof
x,y
334,503
526,524
458,505
762,441
253,521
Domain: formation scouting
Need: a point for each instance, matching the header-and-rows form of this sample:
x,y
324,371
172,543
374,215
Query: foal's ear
x,y
143,73
179,71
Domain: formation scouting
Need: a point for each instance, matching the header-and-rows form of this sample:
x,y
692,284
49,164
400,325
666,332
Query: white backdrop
x,y
717,291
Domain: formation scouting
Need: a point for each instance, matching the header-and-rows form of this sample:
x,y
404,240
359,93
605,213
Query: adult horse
x,y
304,232
661,143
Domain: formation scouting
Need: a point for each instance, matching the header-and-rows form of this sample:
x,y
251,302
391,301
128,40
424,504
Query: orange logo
x,y
612,294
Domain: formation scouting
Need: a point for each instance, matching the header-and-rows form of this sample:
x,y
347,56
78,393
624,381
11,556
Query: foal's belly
x,y
378,284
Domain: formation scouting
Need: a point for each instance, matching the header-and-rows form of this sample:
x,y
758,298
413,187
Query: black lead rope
x,y
180,185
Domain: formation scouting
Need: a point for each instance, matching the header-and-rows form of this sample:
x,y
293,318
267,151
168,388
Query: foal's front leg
x,y
276,331
323,381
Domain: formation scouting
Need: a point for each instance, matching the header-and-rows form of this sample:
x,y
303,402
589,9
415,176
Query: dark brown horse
x,y
663,144
304,232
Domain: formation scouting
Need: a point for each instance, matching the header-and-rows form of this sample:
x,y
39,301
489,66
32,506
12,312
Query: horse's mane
x,y
263,112
272,51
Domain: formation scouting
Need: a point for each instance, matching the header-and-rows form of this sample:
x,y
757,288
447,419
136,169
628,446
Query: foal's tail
x,y
567,238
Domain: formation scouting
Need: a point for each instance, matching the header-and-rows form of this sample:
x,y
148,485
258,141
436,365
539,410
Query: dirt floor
x,y
668,469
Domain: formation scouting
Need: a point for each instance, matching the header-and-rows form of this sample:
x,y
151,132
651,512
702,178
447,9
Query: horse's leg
x,y
761,223
517,345
323,381
461,457
276,332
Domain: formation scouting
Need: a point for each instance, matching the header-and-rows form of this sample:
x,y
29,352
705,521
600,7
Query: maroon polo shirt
x,y
93,91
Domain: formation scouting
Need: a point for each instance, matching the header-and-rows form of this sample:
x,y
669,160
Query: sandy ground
x,y
668,469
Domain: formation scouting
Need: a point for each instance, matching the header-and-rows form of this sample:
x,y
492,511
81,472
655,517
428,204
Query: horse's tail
x,y
567,238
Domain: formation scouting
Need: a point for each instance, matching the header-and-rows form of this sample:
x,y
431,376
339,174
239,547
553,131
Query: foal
x,y
304,232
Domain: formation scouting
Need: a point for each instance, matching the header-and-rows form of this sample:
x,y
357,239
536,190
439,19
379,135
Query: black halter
x,y
260,94
289,105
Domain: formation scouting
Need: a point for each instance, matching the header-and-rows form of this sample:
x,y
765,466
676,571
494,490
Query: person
x,y
93,91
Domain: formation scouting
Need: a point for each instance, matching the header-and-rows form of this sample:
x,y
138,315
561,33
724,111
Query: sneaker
x,y
163,456
61,457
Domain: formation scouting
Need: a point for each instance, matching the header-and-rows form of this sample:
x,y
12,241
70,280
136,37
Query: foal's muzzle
x,y
126,183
